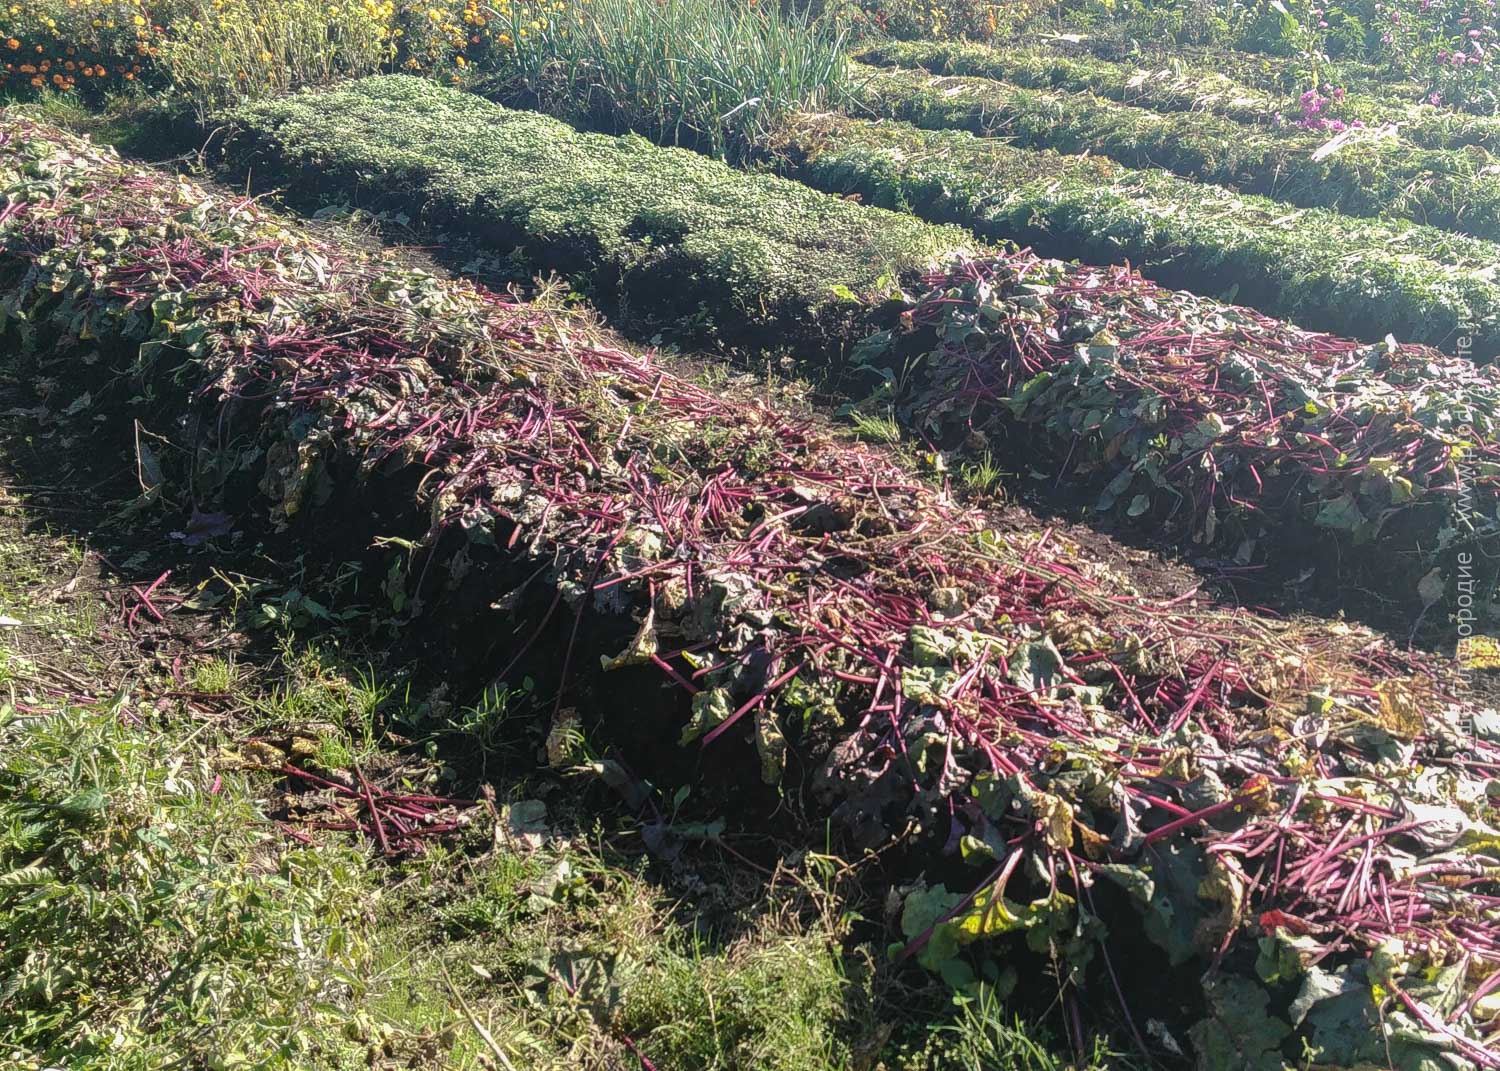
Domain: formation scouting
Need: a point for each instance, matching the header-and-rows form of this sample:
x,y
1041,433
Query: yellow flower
x,y
139,20
265,56
460,61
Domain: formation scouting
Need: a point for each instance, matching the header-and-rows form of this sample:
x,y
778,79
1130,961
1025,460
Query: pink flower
x,y
1435,98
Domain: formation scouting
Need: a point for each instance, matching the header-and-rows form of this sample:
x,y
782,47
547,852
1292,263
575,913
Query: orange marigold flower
x,y
37,81
13,44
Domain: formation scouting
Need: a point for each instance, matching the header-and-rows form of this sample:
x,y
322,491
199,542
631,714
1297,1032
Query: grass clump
x,y
1365,177
222,944
1361,278
709,74
771,996
218,54
665,234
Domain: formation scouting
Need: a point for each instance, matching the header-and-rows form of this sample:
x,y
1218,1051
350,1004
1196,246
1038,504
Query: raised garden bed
x,y
1365,177
662,236
1184,85
1379,554
1377,464
1362,278
1111,780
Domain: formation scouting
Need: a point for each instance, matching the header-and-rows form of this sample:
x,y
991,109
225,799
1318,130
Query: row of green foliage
x,y
1284,72
1357,277
1365,178
1276,73
665,235
1184,84
1443,48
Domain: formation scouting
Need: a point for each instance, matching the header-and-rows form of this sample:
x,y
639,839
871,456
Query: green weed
x,y
982,475
876,429
215,676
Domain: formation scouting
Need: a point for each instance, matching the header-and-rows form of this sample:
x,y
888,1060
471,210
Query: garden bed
x,y
1377,465
1365,177
1362,278
1103,777
1389,558
665,237
1183,85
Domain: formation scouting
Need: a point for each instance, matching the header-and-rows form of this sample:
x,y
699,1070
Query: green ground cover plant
x,y
1358,277
1177,83
665,235
1442,50
1451,190
1114,765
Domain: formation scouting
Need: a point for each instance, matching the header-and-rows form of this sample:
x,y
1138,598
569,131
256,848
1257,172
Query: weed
x,y
989,1037
215,676
499,722
876,429
982,475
